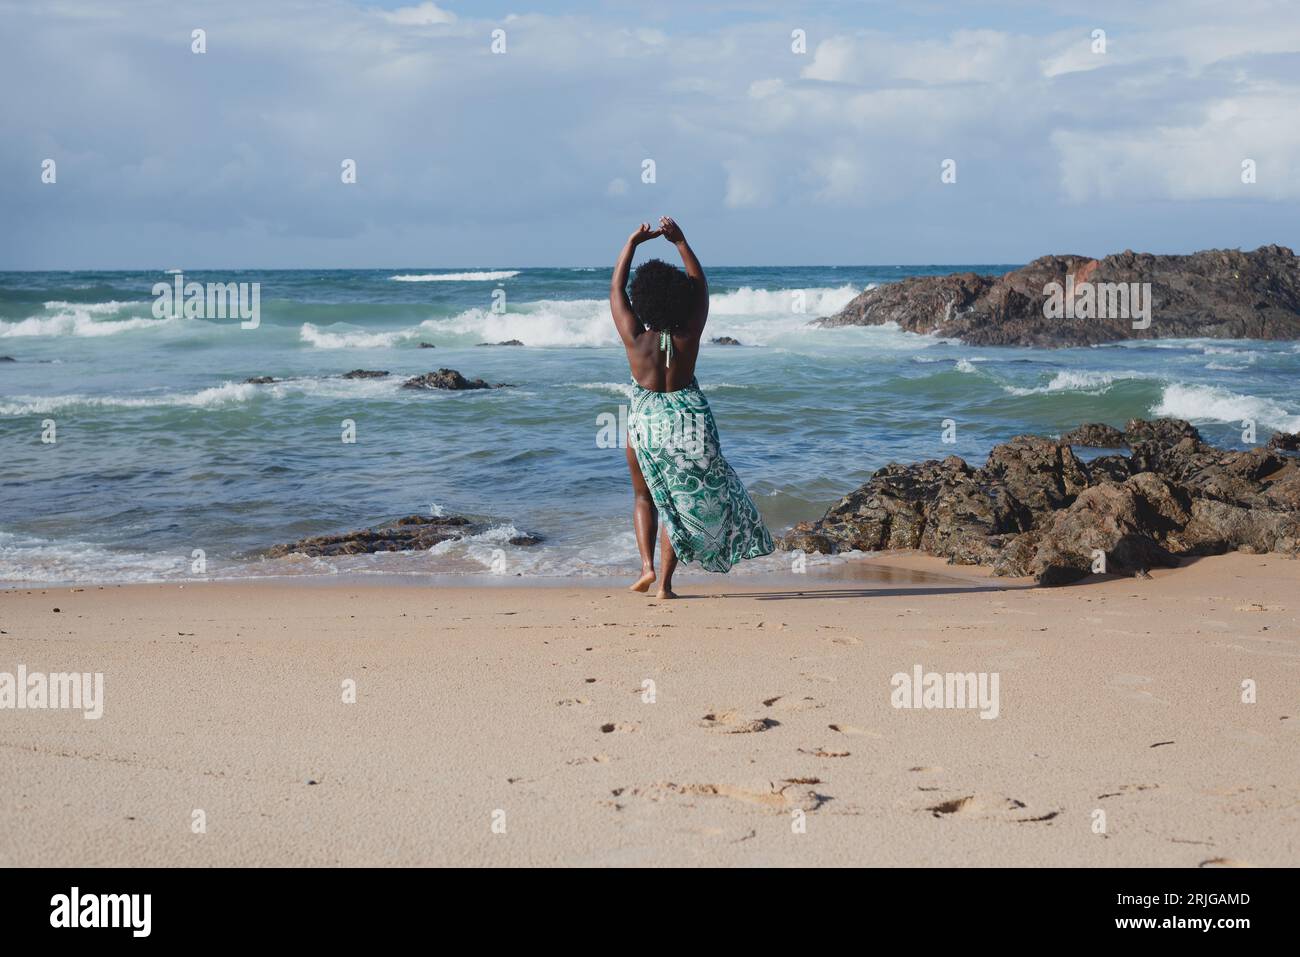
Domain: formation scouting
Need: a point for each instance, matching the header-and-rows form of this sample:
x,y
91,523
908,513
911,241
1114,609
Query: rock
x,y
427,345
1035,509
1040,474
1125,522
1215,293
444,379
412,533
12,359
506,342
1109,468
365,374
1282,441
1095,435
1161,431
260,380
725,341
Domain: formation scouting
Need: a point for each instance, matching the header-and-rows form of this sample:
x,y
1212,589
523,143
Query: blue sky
x,y
232,158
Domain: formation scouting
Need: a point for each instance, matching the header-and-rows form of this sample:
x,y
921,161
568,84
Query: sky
x,y
1055,138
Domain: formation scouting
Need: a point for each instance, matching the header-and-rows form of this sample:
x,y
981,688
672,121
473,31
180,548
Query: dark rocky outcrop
x,y
427,345
260,380
1095,435
446,379
365,374
7,359
504,342
1035,509
1217,293
413,533
1285,441
725,341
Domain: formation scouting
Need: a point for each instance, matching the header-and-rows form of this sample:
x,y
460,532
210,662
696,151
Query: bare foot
x,y
643,583
667,593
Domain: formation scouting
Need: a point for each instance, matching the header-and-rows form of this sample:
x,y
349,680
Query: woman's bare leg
x,y
645,519
667,564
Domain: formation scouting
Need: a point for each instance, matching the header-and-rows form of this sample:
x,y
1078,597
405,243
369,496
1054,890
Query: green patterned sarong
x,y
709,516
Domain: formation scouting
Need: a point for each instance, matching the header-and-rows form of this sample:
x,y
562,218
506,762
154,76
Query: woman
x,y
684,488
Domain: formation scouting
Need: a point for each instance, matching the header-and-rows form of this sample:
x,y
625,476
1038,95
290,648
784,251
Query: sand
x,y
513,726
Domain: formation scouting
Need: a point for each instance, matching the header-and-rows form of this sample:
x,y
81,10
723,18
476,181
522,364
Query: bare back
x,y
649,366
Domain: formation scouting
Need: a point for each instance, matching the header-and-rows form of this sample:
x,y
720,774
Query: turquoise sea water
x,y
162,449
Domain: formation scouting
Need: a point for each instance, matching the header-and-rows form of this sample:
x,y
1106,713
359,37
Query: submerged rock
x,y
365,374
1035,509
1216,293
427,345
445,379
260,380
505,342
725,341
412,533
7,359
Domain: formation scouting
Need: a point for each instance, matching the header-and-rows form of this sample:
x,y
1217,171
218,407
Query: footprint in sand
x,y
1126,789
777,796
733,722
824,753
1131,686
853,730
571,702
594,759
791,704
625,727
977,806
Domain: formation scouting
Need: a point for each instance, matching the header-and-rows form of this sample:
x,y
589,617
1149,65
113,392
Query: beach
x,y
750,723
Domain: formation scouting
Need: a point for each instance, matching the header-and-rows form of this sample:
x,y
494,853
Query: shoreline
x,y
770,705
890,567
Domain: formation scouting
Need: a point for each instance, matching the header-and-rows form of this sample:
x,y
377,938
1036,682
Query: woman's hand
x,y
642,234
670,230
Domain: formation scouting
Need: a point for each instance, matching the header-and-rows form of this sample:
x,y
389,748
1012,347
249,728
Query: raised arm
x,y
619,305
673,233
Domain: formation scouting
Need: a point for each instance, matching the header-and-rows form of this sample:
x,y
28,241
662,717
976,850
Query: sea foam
x,y
1212,403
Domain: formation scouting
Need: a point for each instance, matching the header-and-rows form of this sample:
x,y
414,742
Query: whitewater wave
x,y
1205,403
92,308
760,316
214,397
320,338
79,321
496,276
27,559
807,304
1082,380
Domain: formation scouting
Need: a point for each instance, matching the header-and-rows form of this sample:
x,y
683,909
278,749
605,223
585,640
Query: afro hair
x,y
663,296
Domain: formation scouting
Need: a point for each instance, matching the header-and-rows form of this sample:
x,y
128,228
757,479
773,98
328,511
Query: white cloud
x,y
449,137
1187,163
422,15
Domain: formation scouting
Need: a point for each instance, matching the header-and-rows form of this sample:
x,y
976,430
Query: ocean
x,y
163,455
